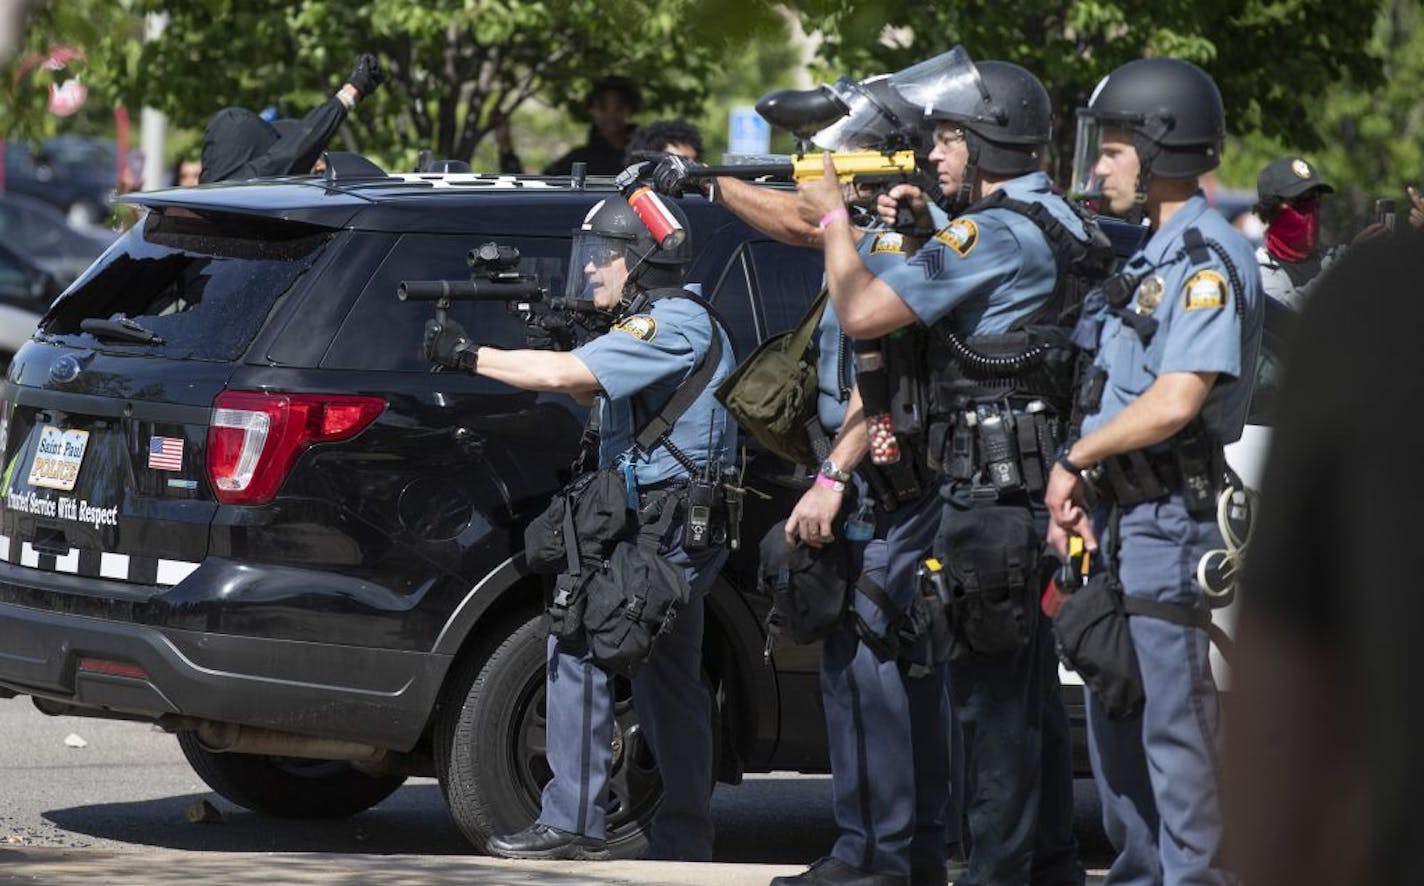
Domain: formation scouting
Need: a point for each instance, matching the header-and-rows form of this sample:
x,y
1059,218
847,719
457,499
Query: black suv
x,y
236,502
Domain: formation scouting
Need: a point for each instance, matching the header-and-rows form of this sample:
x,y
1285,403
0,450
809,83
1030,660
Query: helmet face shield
x,y
946,87
1095,130
867,125
1087,146
590,252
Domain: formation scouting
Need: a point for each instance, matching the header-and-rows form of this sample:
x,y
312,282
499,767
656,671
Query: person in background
x,y
1292,258
238,144
674,136
609,104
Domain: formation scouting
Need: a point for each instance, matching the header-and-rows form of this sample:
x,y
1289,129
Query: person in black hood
x,y
238,144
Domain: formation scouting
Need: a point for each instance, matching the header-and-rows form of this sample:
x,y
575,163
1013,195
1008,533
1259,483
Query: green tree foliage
x,y
456,67
107,35
1273,59
1371,135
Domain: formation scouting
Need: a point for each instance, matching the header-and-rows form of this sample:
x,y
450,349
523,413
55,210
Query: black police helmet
x,y
1172,104
612,227
1014,122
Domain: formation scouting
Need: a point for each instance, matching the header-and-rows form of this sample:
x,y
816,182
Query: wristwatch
x,y
831,472
1061,457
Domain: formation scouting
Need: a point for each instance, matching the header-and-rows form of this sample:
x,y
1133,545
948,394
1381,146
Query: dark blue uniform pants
x,y
674,708
888,733
1156,772
1019,765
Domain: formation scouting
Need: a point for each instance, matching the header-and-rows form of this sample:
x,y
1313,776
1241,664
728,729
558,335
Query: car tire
x,y
490,741
287,787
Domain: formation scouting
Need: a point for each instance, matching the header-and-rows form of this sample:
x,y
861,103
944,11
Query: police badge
x,y
1149,294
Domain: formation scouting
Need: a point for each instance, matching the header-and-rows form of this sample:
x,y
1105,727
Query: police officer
x,y
987,270
1175,358
888,727
659,340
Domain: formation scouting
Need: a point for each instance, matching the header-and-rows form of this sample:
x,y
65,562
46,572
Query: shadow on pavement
x,y
413,820
770,820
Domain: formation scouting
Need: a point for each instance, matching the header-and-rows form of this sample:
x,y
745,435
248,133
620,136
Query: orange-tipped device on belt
x,y
1069,578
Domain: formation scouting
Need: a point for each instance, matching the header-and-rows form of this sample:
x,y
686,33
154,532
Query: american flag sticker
x,y
165,453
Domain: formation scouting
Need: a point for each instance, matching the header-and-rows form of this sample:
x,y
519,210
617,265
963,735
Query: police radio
x,y
697,523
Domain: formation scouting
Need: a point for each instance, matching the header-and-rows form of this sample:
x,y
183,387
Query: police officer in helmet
x,y
985,275
660,339
1176,335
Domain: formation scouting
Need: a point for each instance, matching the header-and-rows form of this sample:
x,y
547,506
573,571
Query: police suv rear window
x,y
202,285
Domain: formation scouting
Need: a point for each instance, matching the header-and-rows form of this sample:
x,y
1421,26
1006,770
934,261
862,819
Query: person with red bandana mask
x,y
1289,191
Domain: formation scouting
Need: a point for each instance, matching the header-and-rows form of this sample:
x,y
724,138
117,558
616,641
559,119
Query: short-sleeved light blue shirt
x,y
1201,325
987,268
639,363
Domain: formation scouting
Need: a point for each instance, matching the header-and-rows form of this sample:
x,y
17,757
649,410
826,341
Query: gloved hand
x,y
674,176
449,346
366,74
549,334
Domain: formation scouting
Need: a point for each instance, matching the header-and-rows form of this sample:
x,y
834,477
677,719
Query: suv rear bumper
x,y
375,696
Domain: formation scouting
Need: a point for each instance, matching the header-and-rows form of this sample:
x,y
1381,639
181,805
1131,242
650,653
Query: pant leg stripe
x,y
585,747
867,862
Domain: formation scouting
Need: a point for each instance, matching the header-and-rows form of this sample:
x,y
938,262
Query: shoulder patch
x,y
888,242
1206,289
641,326
961,235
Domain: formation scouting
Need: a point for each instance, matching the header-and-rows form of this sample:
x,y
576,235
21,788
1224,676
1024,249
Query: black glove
x,y
449,346
549,334
366,74
674,175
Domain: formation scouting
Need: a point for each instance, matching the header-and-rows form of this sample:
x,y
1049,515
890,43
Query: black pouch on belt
x,y
1091,633
634,596
809,587
598,504
992,556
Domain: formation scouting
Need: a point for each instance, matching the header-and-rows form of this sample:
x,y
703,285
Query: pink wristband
x,y
834,216
828,483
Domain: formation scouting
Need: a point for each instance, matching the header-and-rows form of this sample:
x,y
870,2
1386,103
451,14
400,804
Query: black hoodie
x,y
238,144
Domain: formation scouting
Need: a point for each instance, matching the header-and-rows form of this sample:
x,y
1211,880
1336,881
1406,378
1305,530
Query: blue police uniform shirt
x,y
987,268
835,369
1200,328
639,363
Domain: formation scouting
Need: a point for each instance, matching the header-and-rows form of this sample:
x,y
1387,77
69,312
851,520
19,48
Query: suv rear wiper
x,y
120,328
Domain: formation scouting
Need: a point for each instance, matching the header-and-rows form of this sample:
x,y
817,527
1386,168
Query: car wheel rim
x,y
634,787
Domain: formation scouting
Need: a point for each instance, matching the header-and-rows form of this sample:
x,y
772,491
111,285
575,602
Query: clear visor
x,y
866,125
591,251
947,85
1094,130
1087,147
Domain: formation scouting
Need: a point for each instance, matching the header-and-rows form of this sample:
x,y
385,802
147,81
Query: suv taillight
x,y
255,438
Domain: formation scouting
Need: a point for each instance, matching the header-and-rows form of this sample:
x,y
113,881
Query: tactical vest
x,y
998,405
1035,359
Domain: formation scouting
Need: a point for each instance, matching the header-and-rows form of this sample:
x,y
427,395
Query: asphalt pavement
x,y
96,801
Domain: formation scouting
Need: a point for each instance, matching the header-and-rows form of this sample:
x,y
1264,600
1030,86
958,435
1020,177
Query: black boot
x,y
541,841
830,871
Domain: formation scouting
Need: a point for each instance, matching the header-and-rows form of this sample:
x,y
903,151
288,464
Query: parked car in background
x,y
26,290
40,254
43,233
75,174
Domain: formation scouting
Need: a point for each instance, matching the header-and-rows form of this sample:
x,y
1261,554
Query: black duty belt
x,y
1135,477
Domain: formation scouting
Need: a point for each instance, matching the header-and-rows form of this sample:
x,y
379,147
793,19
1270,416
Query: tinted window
x,y
788,279
205,286
733,300
382,332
